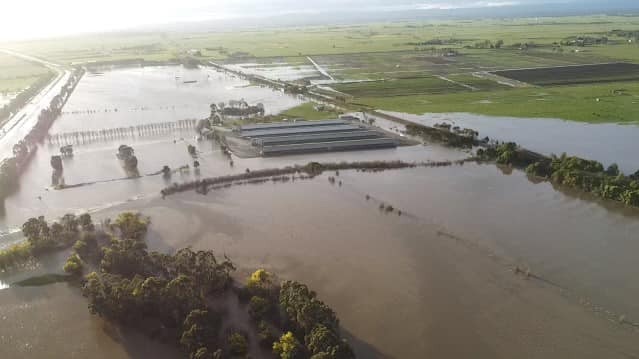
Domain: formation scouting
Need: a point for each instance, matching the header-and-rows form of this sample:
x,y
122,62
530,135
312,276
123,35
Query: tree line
x,y
587,175
174,297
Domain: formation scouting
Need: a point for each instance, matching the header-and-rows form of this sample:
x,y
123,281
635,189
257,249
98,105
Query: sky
x,y
24,19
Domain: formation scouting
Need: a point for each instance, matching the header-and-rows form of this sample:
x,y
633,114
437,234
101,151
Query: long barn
x,y
283,138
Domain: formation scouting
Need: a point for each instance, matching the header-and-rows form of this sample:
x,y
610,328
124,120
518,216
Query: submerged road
x,y
320,69
18,126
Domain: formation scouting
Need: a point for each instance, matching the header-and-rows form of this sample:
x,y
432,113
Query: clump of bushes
x,y
74,266
16,254
589,176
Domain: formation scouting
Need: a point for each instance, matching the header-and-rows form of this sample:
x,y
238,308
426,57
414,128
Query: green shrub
x,y
237,344
258,307
74,265
16,254
288,347
266,334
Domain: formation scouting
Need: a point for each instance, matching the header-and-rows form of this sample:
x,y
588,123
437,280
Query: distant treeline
x,y
628,34
584,41
435,42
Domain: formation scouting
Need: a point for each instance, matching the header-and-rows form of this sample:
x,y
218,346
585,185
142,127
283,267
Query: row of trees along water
x,y
24,96
10,168
182,298
587,175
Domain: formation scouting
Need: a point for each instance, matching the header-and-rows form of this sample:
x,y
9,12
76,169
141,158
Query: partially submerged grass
x,y
594,103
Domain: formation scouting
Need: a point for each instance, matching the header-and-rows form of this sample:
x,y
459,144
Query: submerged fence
x,y
108,134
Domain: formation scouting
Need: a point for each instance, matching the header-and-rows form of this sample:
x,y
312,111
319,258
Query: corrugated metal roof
x,y
329,146
317,137
264,126
300,130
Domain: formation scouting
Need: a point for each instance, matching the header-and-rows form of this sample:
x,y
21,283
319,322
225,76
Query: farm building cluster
x,y
286,138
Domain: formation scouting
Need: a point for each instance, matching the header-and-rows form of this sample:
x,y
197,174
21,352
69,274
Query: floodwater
x,y
5,99
606,143
436,281
279,71
441,274
158,94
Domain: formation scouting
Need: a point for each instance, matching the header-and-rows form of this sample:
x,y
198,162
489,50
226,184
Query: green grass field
x,y
308,112
618,102
418,66
17,74
399,87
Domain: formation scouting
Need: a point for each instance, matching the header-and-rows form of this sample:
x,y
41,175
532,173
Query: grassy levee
x,y
593,103
311,169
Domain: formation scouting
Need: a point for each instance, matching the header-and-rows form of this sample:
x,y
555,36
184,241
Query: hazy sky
x,y
43,18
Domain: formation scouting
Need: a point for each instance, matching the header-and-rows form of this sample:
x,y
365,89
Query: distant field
x,y
17,74
595,103
399,87
575,74
332,40
407,66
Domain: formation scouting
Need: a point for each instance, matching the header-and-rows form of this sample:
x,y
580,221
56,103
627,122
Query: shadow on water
x,y
138,345
363,349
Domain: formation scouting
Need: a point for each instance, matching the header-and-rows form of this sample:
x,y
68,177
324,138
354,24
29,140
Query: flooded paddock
x,y
607,142
415,285
135,96
406,286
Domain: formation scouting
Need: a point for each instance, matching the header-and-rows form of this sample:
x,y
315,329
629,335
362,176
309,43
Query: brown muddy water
x,y
605,142
437,281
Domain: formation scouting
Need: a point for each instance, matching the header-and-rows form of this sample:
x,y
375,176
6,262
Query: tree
x,y
87,246
304,310
238,346
199,331
204,353
324,341
612,170
132,225
266,334
288,347
85,222
261,283
37,232
69,223
125,257
258,308
181,297
74,265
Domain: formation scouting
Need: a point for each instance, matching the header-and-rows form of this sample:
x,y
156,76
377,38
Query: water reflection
x,y
606,143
